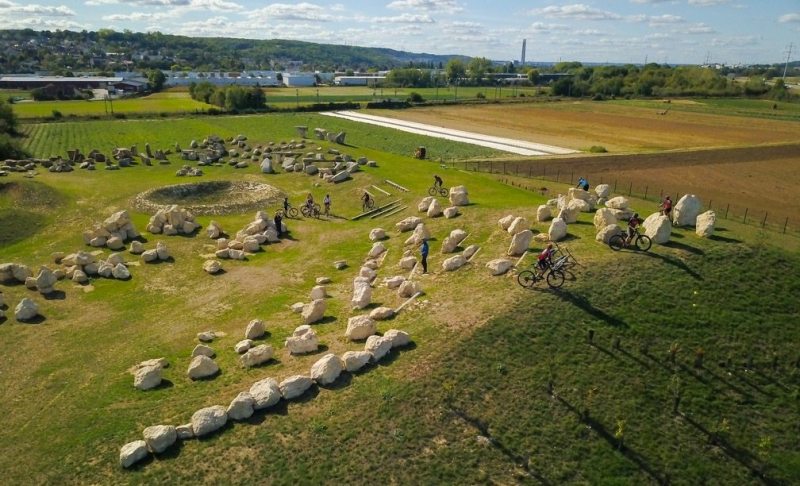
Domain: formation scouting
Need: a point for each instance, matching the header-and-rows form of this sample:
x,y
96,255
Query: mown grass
x,y
484,347
156,103
758,108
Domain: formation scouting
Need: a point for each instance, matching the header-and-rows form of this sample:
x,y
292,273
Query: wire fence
x,y
725,210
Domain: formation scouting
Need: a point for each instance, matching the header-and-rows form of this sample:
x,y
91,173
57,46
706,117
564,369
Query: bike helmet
x,y
635,215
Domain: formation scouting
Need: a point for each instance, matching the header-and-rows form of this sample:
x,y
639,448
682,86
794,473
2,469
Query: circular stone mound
x,y
209,198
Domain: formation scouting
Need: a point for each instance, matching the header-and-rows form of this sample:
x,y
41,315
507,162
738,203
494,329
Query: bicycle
x,y
554,274
290,212
640,242
438,190
312,211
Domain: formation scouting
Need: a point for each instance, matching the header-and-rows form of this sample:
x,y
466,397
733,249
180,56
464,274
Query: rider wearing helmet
x,y
633,223
437,181
546,257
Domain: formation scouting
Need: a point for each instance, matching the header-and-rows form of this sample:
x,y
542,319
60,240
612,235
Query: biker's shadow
x,y
674,262
584,304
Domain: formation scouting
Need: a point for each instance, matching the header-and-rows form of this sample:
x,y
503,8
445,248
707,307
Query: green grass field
x,y
168,102
468,403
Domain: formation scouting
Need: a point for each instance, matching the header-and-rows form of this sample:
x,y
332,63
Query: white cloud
x,y
97,3
136,17
578,11
448,6
789,18
700,29
708,3
401,19
665,19
652,1
308,12
7,7
542,28
39,23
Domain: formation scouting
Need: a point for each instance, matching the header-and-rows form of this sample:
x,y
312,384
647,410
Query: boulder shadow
x,y
310,394
219,273
724,239
260,416
684,247
37,319
583,303
395,353
322,348
172,452
326,320
342,381
208,378
674,262
165,384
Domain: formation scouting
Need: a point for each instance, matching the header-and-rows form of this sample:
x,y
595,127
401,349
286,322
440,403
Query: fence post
x,y
491,166
530,168
645,191
785,225
745,214
630,189
558,174
764,222
726,210
615,185
504,167
709,204
572,177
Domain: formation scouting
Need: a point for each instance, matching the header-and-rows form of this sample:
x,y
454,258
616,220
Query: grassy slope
x,y
475,356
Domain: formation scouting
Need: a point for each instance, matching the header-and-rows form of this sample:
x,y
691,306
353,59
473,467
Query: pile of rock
x,y
263,394
113,233
159,254
605,223
249,239
172,221
189,171
303,340
14,272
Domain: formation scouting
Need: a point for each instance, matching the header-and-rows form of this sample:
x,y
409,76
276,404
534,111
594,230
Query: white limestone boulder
x,y
377,250
326,370
499,266
202,350
212,266
423,205
303,340
394,282
208,420
160,437
256,356
398,338
241,407
255,329
434,209
558,230
242,346
355,360
120,272
26,310
378,347
132,452
619,202
506,221
686,210
362,293
381,313
519,224
147,377
202,367
658,228
294,386
543,213
420,233
605,234
459,196
377,234
705,224
360,327
454,263
604,217
578,193
266,393
318,292
409,288
407,262
520,243
313,312
408,224
602,190
470,250
452,241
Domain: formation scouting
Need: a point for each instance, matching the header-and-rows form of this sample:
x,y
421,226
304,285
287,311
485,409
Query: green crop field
x,y
691,375
168,102
304,96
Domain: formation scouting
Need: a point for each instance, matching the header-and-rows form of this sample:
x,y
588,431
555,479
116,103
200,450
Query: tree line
x,y
9,136
231,98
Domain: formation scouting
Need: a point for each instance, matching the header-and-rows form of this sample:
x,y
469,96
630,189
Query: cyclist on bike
x,y
366,199
309,201
633,223
546,258
327,202
583,184
286,206
437,181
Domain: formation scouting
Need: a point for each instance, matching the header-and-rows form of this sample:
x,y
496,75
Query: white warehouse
x,y
299,80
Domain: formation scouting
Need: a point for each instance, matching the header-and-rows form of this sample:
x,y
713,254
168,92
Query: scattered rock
x,y
423,205
313,311
434,209
450,212
619,202
519,224
323,280
543,213
266,393
120,272
147,377
362,293
202,350
455,262
160,437
326,370
409,288
470,250
558,230
340,264
381,313
604,217
255,329
499,266
705,224
184,432
297,307
209,419
658,228
394,282
377,234
602,191
452,241
378,346
408,224
407,262
397,338
242,346
206,336
420,233
377,250
520,243
605,234
686,210
294,386
256,355
26,310
355,360
360,327
303,340
202,367
459,196
241,407
212,266
132,452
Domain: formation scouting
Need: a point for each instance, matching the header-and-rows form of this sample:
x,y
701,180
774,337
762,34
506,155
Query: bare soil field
x,y
618,128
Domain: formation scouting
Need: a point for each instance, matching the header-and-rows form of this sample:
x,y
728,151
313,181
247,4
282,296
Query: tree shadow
x,y
584,304
683,246
630,355
55,295
675,262
724,239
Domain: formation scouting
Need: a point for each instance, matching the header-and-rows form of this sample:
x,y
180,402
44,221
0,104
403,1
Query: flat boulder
x,y
256,355
602,190
362,293
326,370
506,221
303,340
266,393
147,377
318,292
360,327
407,262
241,407
454,263
409,288
605,234
604,217
381,313
619,202
160,437
132,452
450,212
202,350
355,360
378,347
212,266
395,281
408,224
398,338
452,241
377,234
208,420
294,386
520,243
202,367
499,266
705,224
242,346
377,250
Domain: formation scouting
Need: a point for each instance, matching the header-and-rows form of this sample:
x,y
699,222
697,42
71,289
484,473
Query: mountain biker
x,y
666,206
309,201
286,205
366,200
546,258
327,202
633,223
583,184
437,181
278,222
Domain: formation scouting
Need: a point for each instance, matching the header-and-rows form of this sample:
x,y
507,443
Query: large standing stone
x,y
619,202
705,224
209,419
294,386
434,209
543,213
686,210
313,311
420,233
26,310
255,329
318,292
602,190
455,262
506,221
362,293
241,407
604,217
658,228
160,437
303,340
558,229
257,355
360,327
452,241
520,243
378,346
499,266
570,212
459,196
202,367
519,224
425,203
605,234
45,280
132,452
326,370
265,393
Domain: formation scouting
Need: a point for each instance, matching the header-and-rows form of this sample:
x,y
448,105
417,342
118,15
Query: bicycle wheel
x,y
432,191
526,278
443,192
292,212
555,279
643,242
617,242
305,211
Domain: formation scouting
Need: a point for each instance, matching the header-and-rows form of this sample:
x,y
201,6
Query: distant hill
x,y
28,50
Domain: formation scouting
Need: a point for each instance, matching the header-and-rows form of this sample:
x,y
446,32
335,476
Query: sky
x,y
616,31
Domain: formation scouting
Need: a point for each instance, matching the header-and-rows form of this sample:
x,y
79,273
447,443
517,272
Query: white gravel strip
x,y
519,147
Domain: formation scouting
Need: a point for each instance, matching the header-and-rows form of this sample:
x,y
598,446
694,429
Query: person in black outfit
x,y
278,223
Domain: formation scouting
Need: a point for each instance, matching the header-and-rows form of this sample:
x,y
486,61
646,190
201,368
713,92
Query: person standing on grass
x,y
286,206
423,251
327,202
278,222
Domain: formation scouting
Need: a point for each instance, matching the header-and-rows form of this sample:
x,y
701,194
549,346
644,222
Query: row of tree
x,y
9,137
232,98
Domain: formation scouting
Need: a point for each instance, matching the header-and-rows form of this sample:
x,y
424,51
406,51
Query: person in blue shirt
x,y
423,251
583,184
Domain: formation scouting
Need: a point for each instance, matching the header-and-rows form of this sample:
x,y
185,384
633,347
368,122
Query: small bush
x,y
57,115
119,116
480,95
415,97
598,97
597,149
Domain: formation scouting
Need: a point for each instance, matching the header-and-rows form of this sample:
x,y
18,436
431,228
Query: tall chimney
x,y
522,59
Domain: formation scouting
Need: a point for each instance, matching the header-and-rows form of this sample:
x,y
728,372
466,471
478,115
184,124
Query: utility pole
x,y
786,66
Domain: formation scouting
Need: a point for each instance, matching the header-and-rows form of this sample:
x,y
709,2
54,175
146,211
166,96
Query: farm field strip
x,y
519,147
